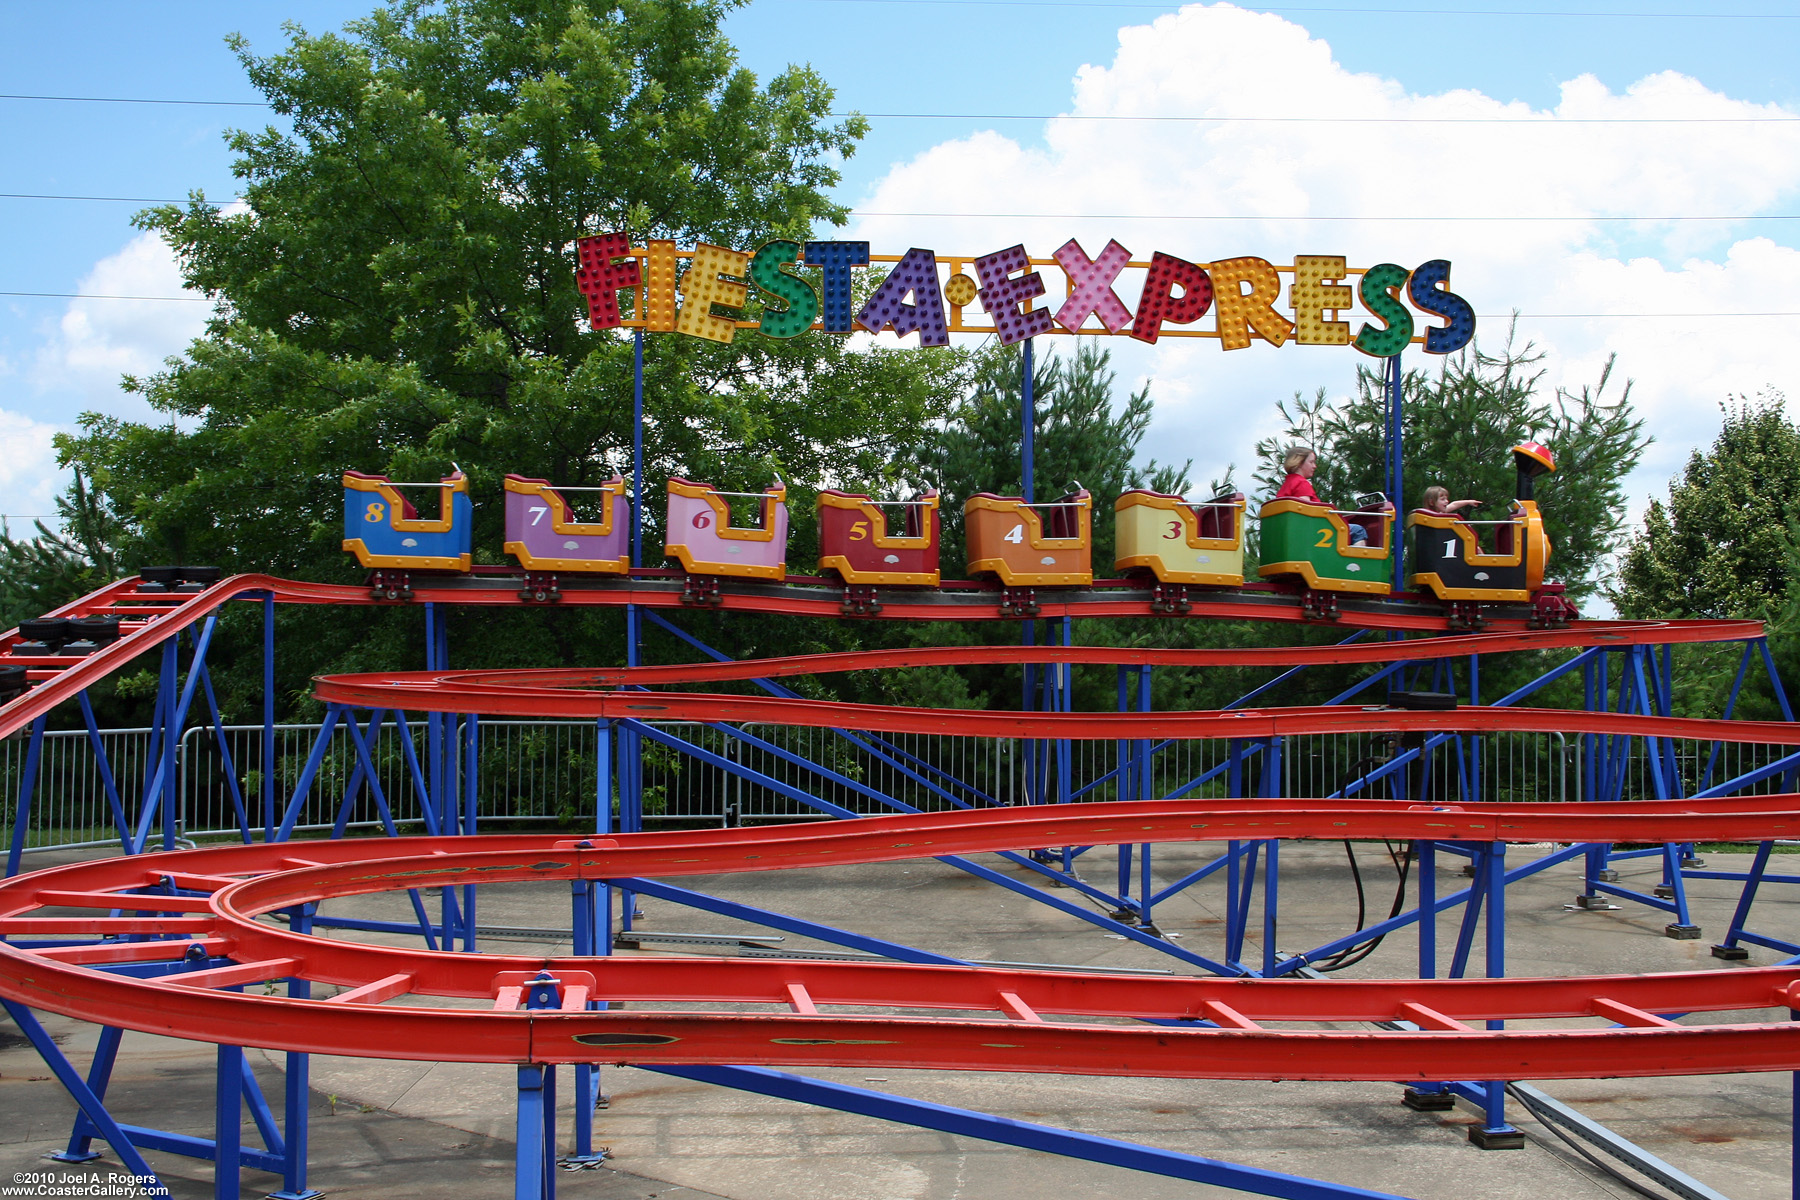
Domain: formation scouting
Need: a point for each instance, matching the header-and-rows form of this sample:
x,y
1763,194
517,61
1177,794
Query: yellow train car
x,y
1180,542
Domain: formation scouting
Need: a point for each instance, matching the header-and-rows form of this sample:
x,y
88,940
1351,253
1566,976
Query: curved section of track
x,y
1006,1019
152,618
540,694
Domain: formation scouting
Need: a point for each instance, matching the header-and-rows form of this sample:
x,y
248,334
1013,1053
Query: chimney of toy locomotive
x,y
1532,459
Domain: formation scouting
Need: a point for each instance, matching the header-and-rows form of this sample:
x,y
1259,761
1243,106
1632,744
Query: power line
x,y
1068,216
86,296
858,212
1545,121
1405,12
138,100
111,199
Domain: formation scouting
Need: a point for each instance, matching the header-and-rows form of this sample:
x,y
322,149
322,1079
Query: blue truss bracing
x,y
103,765
879,748
1006,1131
27,783
1064,877
798,926
446,775
992,876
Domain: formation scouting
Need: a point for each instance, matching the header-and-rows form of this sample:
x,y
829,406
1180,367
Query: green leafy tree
x,y
1459,425
1077,437
1726,545
1723,543
397,293
42,573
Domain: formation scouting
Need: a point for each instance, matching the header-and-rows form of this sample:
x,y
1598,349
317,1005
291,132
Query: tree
x,y
1724,543
1077,437
1459,426
43,573
397,292
1081,433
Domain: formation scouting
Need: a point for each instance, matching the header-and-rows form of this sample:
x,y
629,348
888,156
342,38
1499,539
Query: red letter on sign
x,y
1159,303
601,277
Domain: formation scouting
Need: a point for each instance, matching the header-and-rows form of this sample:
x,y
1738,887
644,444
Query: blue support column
x,y
471,812
1027,419
27,783
167,794
535,1166
271,796
1396,481
637,449
296,1087
228,1118
530,1164
90,1104
1494,1133
1145,790
1272,786
1426,867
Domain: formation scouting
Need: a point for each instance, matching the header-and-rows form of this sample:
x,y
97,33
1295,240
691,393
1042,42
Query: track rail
x,y
149,619
1007,1020
567,693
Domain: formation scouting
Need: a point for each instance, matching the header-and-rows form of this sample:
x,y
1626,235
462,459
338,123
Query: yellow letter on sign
x,y
1240,312
1316,290
704,285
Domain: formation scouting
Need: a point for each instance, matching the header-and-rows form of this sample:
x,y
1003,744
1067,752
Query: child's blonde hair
x,y
1295,458
1437,498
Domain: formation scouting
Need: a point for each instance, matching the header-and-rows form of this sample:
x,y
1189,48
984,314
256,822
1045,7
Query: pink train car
x,y
702,538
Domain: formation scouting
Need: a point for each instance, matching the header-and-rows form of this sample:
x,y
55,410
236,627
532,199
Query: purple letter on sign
x,y
916,274
1004,298
1090,286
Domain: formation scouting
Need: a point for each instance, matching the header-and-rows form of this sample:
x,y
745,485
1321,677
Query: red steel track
x,y
536,694
926,1016
1011,1020
149,619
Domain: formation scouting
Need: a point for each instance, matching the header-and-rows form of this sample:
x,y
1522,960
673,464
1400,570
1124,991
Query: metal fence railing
x,y
542,772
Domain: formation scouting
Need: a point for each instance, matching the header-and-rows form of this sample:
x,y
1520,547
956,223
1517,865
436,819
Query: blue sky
x,y
1407,63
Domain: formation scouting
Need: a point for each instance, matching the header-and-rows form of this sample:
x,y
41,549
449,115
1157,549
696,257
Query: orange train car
x,y
854,541
1008,538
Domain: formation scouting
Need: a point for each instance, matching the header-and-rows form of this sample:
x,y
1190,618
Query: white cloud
x,y
78,365
29,479
1285,177
96,341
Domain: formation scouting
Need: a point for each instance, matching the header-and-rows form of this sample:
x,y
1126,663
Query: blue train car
x,y
384,530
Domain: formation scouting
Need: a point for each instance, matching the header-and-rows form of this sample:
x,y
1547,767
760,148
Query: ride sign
x,y
788,288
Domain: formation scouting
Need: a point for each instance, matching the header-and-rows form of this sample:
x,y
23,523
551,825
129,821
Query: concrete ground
x,y
407,1129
